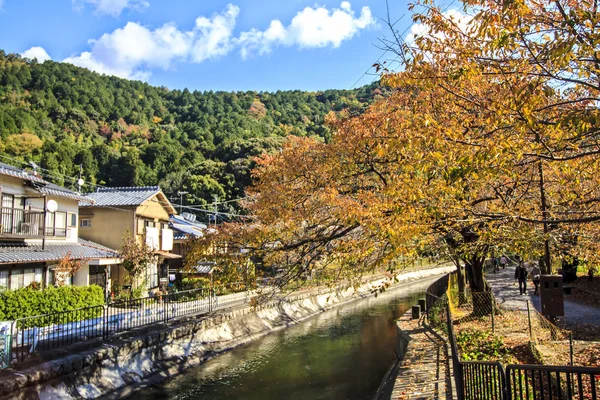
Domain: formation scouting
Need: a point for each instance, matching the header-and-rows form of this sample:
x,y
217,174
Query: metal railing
x,y
482,380
38,334
551,382
41,333
21,222
491,380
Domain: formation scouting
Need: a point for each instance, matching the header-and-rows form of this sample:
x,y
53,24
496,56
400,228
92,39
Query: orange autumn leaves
x,y
488,116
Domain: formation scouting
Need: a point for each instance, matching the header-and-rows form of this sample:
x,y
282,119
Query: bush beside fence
x,y
40,333
29,302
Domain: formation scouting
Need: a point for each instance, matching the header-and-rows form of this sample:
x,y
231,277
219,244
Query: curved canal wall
x,y
124,365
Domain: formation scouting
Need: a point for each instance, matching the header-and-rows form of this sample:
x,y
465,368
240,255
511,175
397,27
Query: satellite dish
x,y
80,182
52,206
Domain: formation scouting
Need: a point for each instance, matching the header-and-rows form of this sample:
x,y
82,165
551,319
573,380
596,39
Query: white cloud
x,y
133,50
36,52
213,36
310,28
130,52
111,7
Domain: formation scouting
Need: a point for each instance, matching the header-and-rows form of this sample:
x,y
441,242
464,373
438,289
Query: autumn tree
x,y
135,257
232,262
66,268
487,143
540,60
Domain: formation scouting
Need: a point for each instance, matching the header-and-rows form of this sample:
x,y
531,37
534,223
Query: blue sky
x,y
206,44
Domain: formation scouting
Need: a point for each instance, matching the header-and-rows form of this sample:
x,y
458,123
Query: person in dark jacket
x,y
521,276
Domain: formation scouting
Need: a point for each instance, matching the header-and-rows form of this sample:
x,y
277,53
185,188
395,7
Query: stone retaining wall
x,y
121,366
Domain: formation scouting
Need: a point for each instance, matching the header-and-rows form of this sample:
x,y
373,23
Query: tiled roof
x,y
204,267
19,253
54,190
41,185
183,228
122,196
15,172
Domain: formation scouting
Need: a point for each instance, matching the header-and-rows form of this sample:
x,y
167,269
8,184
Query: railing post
x,y
493,312
166,302
105,322
529,320
571,347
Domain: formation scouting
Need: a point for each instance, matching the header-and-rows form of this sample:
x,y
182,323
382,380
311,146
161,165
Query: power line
x,y
192,207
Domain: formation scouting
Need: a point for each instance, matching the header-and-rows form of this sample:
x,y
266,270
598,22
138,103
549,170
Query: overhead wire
x,y
46,173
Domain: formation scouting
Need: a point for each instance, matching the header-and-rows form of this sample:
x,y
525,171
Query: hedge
x,y
27,302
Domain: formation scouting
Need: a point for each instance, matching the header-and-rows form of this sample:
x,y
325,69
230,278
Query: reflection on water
x,y
340,354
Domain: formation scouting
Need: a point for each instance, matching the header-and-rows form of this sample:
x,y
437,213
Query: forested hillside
x,y
130,133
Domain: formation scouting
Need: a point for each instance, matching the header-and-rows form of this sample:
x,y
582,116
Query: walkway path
x,y
506,291
424,372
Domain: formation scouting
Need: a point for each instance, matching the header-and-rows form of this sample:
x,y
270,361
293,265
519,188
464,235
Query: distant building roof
x,y
19,253
207,267
41,185
183,228
127,196
15,172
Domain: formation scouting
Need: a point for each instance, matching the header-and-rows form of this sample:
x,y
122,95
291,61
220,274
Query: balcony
x,y
20,223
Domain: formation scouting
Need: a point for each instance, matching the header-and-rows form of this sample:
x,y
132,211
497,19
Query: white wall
x,y
81,277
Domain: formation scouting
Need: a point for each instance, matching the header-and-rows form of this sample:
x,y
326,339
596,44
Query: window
x,y
52,278
7,213
4,280
152,274
16,279
85,223
60,223
97,276
72,220
24,277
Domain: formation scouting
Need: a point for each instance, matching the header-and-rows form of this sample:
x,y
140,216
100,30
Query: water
x,y
343,353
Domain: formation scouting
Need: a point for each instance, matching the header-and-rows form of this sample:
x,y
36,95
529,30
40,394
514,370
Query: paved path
x,y
424,372
506,291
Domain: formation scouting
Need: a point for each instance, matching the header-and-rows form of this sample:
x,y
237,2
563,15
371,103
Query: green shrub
x,y
194,283
27,302
482,345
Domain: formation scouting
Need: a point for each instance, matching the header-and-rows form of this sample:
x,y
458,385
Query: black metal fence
x,y
552,382
475,380
42,333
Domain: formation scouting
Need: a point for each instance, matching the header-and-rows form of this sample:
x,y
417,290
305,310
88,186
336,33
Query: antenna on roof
x,y
80,181
34,166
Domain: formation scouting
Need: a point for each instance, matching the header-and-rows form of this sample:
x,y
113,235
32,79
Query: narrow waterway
x,y
341,354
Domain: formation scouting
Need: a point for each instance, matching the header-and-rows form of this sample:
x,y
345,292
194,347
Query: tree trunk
x,y
481,295
462,297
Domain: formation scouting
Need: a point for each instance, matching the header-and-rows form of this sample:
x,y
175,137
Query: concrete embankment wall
x,y
121,366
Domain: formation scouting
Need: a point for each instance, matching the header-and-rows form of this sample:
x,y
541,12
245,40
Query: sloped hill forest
x,y
126,133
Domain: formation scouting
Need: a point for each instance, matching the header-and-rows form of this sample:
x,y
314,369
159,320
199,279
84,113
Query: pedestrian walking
x,y
503,261
535,278
521,276
496,263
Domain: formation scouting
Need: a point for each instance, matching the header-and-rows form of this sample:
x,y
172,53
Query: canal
x,y
342,353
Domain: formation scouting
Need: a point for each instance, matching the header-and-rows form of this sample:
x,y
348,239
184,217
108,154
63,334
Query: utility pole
x,y
80,181
180,193
216,200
